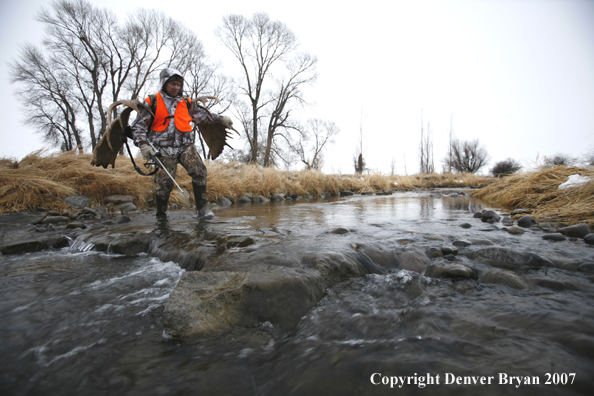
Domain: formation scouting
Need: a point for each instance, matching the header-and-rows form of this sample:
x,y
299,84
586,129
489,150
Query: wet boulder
x,y
119,243
244,199
586,267
461,243
126,207
78,201
490,216
556,237
334,267
207,303
433,253
449,250
277,197
346,193
55,220
507,258
261,199
119,199
22,218
526,221
411,259
589,239
30,245
122,219
450,271
504,278
576,230
224,201
339,231
516,230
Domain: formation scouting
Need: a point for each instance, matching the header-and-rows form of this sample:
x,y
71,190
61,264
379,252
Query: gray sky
x,y
516,74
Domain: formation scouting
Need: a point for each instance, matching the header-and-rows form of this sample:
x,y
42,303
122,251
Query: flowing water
x,y
78,321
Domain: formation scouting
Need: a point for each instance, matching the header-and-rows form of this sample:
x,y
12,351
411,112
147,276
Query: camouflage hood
x,y
166,74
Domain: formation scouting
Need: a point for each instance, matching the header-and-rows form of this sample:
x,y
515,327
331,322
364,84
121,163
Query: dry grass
x,y
539,191
41,181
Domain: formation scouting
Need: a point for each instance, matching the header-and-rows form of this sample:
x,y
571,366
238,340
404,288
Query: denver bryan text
x,y
451,379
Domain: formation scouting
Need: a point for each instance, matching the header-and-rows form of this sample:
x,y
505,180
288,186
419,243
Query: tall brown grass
x,y
42,181
539,191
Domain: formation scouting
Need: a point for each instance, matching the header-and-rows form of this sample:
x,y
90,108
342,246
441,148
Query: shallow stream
x,y
83,322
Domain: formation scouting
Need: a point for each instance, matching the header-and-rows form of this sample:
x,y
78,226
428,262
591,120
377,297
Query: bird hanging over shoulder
x,y
112,141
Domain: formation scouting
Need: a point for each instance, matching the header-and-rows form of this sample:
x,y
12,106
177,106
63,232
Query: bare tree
x,y
467,156
100,61
50,103
588,158
202,80
505,168
358,160
558,160
301,71
426,149
393,166
451,135
261,45
312,140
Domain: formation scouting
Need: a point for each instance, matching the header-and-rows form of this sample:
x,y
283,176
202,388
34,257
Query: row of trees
x,y
470,156
89,60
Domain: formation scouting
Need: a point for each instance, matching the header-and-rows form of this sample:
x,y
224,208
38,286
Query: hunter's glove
x,y
146,151
226,121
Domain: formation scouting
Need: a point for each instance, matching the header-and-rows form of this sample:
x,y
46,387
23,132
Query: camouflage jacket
x,y
170,142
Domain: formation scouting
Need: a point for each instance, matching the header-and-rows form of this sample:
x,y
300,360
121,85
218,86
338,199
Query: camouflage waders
x,y
191,161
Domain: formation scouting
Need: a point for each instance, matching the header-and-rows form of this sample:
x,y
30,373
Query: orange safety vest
x,y
181,117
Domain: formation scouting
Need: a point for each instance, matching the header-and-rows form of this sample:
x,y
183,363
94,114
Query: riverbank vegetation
x,y
41,181
539,191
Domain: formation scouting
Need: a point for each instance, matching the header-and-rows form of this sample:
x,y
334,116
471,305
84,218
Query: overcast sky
x,y
516,74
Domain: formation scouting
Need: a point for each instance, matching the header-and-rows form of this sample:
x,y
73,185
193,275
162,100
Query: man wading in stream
x,y
171,134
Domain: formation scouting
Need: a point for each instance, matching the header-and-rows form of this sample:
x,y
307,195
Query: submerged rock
x,y
340,231
503,277
205,303
586,267
451,271
433,253
554,237
461,243
507,258
34,245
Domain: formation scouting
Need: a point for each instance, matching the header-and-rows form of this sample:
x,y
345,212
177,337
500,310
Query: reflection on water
x,y
78,321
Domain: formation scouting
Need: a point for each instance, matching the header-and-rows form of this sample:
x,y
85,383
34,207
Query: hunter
x,y
171,134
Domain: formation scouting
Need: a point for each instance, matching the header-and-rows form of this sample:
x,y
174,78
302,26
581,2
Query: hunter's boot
x,y
201,202
161,206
